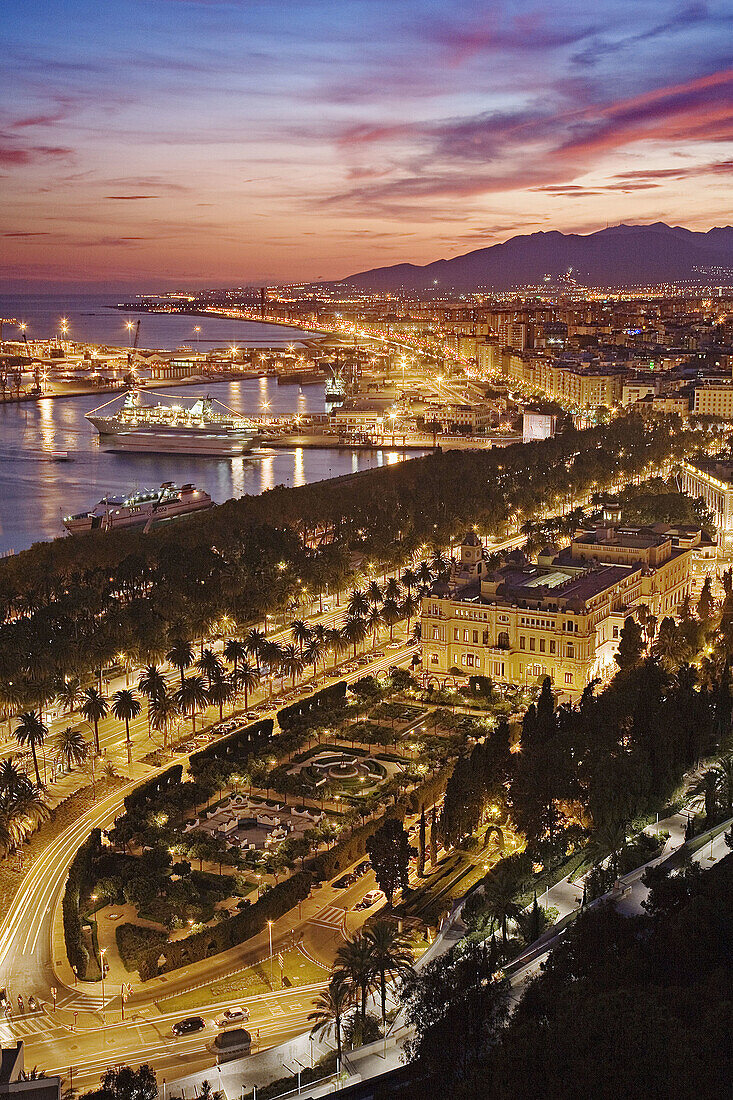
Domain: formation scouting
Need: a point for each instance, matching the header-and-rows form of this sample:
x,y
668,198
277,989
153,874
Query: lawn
x,y
252,982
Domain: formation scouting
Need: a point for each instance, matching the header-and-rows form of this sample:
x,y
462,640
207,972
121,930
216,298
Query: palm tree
x,y
125,707
246,678
723,772
290,662
180,655
253,644
12,780
393,590
500,887
164,709
94,709
374,593
313,653
409,579
358,604
152,684
70,747
210,664
354,963
300,632
70,694
374,621
271,654
31,731
221,690
391,955
191,697
409,608
336,643
391,616
354,631
330,1006
610,837
235,652
424,575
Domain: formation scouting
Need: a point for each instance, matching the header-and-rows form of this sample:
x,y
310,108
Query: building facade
x,y
561,616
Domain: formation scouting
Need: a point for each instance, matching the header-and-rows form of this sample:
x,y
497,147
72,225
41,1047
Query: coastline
x,y
163,383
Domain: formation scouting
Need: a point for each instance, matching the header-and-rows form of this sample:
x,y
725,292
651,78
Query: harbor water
x,y
35,489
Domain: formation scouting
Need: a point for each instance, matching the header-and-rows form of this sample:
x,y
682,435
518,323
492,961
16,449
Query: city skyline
x,y
193,142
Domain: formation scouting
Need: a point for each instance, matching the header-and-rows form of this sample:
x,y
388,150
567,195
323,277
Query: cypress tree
x,y
421,845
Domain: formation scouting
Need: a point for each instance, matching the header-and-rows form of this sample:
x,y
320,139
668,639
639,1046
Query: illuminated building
x,y
561,616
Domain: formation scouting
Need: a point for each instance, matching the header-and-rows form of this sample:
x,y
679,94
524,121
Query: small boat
x,y
144,508
61,456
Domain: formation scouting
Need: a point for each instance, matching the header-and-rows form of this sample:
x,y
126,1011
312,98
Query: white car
x,y
233,1016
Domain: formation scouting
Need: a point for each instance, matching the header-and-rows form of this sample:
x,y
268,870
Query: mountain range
x,y
621,255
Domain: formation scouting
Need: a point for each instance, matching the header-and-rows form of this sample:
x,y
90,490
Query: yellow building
x,y
559,617
583,387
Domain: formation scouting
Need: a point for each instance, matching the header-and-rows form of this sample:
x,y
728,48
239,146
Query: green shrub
x,y
245,924
134,942
79,885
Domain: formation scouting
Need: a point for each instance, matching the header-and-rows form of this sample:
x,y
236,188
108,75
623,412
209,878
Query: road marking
x,y
330,917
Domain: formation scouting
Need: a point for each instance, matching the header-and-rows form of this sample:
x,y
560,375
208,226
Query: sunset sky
x,y
153,143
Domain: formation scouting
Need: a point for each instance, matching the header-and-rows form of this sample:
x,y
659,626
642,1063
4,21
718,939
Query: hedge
x,y
312,706
134,940
79,884
241,742
342,855
245,924
148,791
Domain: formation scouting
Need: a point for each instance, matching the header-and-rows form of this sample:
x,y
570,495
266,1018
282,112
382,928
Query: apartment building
x,y
712,479
714,400
578,385
560,616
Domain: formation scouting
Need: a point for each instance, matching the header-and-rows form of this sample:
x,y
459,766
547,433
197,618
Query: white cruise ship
x,y
196,429
140,509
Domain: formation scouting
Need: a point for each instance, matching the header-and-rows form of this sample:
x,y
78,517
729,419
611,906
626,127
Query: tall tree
x,y
391,956
125,707
631,645
330,1007
30,730
421,844
389,854
94,708
180,655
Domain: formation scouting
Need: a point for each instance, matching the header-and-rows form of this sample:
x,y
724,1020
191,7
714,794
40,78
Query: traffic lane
x,y
157,1046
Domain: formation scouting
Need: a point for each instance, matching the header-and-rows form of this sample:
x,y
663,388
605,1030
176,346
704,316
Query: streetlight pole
x,y
103,952
269,929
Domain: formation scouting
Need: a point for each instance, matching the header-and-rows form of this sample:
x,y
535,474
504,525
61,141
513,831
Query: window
x,y
465,635
503,640
475,637
531,645
469,660
485,637
552,645
542,645
456,634
571,649
436,634
433,658
568,677
522,642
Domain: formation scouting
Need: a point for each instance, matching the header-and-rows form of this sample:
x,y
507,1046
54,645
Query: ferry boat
x,y
198,429
140,509
335,388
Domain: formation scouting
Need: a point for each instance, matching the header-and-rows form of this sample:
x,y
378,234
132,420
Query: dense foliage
x,y
71,606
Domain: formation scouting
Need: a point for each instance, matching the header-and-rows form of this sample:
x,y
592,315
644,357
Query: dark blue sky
x,y
201,142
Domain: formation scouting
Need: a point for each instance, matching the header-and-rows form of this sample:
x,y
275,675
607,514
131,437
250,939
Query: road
x,y
28,965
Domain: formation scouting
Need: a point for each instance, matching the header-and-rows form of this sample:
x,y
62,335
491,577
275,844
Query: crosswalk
x,y
332,916
24,1028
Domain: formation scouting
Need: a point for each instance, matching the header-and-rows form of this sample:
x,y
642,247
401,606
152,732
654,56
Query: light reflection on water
x,y
35,490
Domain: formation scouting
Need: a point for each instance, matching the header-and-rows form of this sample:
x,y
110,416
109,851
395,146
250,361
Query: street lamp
x,y
269,929
102,954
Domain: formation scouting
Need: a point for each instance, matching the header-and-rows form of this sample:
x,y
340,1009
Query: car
x,y
233,1016
362,868
395,645
369,900
379,653
250,714
344,881
188,1026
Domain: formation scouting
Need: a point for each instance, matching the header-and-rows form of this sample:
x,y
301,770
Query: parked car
x,y
344,881
369,900
233,1016
189,1026
362,868
395,645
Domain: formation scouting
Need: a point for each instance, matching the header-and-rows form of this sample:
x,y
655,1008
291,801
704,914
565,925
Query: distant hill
x,y
622,255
